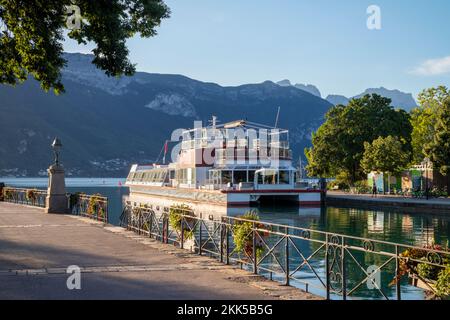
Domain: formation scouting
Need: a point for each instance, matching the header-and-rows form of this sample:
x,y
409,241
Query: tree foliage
x,y
31,36
424,118
338,145
439,148
385,155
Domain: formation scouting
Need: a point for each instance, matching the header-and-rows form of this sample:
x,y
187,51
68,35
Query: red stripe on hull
x,y
271,191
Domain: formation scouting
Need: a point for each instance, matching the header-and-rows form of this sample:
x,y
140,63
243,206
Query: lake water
x,y
400,227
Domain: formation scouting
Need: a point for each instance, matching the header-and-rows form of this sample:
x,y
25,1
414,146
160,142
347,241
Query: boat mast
x,y
278,117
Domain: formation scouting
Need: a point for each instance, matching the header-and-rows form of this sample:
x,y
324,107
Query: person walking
x,y
374,189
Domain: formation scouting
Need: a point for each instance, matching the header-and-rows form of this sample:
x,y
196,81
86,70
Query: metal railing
x,y
324,263
31,197
89,206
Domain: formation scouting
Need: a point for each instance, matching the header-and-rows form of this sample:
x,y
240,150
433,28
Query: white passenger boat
x,y
234,164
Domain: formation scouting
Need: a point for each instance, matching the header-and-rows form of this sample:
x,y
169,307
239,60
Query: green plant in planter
x,y
8,193
443,284
176,215
437,277
428,271
31,195
74,199
243,235
96,205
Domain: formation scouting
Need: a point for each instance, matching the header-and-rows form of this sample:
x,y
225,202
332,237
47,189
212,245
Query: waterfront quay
x,y
37,248
409,204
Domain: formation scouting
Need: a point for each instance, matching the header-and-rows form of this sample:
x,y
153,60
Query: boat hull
x,y
224,198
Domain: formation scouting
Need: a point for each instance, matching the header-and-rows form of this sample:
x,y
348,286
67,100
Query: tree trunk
x,y
448,185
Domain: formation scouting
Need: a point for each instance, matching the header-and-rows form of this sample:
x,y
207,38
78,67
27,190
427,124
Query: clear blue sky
x,y
322,42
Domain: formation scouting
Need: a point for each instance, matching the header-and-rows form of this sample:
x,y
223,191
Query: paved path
x,y
36,248
420,204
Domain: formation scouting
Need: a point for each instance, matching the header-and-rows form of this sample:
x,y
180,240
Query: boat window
x,y
284,177
251,176
260,178
226,177
240,176
270,179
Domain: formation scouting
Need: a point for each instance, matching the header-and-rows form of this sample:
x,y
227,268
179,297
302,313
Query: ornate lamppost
x,y
56,201
56,145
427,194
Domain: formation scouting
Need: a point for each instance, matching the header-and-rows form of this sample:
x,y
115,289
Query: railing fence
x,y
333,265
90,206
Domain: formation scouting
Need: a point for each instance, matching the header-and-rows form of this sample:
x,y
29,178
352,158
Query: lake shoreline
x,y
410,205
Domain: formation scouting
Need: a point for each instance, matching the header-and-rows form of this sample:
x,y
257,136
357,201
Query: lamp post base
x,y
56,201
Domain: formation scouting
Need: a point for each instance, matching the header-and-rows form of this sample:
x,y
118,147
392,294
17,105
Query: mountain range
x,y
106,124
399,99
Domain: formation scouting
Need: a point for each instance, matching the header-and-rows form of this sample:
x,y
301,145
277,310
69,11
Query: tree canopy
x,y
338,145
385,155
439,148
32,32
424,118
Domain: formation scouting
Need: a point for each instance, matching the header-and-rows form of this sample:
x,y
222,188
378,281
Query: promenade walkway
x,y
36,249
418,204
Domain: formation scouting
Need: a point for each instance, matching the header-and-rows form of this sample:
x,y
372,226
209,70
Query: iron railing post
x,y
397,273
343,270
200,238
287,280
150,225
182,234
227,228
327,267
221,241
166,219
255,255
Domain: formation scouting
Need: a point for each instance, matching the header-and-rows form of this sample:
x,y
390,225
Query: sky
x,y
322,42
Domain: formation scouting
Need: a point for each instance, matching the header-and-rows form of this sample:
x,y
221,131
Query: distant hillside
x,y
305,87
106,124
335,99
399,99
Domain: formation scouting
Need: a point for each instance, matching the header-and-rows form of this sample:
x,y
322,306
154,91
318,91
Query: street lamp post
x,y
56,146
427,195
56,200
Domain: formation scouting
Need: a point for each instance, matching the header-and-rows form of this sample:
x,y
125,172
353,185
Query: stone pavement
x,y
36,249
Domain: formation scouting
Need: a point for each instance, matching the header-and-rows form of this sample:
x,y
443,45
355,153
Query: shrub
x,y
74,199
176,215
428,272
9,194
362,187
443,283
31,195
243,235
96,205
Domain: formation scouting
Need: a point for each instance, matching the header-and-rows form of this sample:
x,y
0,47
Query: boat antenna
x,y
278,117
214,121
300,167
